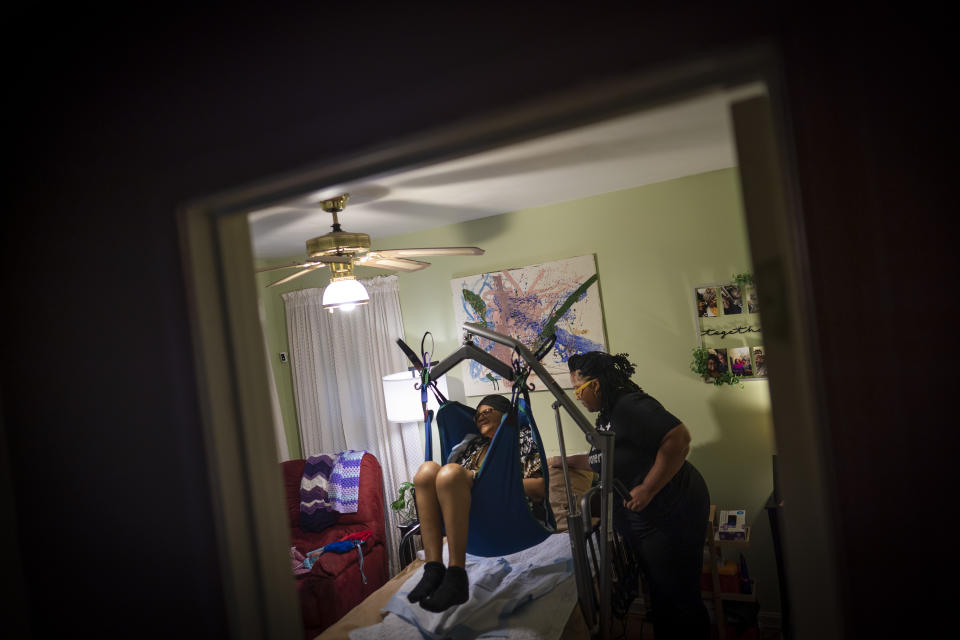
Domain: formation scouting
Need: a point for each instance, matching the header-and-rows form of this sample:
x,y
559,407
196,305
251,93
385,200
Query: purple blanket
x,y
330,486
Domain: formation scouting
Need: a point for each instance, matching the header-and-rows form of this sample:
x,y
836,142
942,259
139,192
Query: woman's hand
x,y
640,497
670,456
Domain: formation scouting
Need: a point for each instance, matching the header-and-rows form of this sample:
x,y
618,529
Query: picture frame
x,y
728,331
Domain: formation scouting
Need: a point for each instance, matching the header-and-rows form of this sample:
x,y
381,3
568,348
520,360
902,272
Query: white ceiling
x,y
684,138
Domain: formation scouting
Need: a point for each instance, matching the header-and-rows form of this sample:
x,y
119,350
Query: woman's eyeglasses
x,y
580,389
483,413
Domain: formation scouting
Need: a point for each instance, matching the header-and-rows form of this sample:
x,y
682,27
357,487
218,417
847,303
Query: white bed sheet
x,y
528,594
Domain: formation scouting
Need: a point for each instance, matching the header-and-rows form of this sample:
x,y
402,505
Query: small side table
x,y
715,548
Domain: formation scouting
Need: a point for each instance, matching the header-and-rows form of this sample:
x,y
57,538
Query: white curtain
x,y
338,363
314,379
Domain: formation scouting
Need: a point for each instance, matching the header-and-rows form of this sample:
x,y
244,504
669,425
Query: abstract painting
x,y
521,303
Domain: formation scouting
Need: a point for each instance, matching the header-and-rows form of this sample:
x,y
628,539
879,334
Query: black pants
x,y
670,547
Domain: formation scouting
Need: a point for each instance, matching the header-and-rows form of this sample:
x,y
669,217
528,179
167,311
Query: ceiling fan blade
x,y
432,251
296,275
292,265
399,264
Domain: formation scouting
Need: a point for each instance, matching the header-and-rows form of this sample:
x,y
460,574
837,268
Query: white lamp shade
x,y
403,401
344,293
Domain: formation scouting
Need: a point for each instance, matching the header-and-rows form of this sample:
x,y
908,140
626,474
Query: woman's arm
x,y
670,456
534,488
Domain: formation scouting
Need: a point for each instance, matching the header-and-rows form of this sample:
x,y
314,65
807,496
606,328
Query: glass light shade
x,y
344,294
403,401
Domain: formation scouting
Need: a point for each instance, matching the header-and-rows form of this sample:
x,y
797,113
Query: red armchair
x,y
334,585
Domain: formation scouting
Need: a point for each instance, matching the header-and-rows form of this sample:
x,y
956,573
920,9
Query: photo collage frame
x,y
727,318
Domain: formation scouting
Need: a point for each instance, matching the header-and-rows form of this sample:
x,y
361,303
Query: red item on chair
x,y
362,536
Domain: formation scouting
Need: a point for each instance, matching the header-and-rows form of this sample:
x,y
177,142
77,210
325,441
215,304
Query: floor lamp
x,y
404,407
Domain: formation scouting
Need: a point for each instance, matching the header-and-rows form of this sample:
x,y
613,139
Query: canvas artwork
x,y
520,303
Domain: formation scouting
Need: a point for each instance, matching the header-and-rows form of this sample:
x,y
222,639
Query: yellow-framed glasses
x,y
579,389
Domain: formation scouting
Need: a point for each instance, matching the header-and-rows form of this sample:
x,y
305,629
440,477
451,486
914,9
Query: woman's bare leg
x,y
431,531
453,484
428,508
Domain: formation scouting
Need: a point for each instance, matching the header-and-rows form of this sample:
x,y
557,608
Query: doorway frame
x,y
244,474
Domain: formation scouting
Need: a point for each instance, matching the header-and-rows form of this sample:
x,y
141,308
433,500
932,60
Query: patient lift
x,y
595,603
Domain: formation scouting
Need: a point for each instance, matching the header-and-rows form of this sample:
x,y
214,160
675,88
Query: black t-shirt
x,y
640,423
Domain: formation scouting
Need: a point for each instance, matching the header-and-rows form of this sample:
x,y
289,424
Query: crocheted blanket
x,y
330,485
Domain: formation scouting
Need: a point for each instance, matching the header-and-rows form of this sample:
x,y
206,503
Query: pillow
x,y
581,479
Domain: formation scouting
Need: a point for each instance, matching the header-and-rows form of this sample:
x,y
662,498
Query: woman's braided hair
x,y
613,372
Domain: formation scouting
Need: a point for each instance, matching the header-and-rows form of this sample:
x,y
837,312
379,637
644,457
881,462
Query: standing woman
x,y
666,516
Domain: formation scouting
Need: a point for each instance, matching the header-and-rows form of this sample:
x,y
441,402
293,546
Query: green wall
x,y
653,244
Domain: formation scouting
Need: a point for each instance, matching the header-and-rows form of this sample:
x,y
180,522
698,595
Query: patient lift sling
x,y
497,495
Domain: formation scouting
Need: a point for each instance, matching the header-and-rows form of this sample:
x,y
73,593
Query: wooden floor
x,y
638,629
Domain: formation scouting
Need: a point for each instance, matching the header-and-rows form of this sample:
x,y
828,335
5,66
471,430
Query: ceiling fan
x,y
341,250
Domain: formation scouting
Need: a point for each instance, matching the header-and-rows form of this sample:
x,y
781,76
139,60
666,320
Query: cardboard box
x,y
733,525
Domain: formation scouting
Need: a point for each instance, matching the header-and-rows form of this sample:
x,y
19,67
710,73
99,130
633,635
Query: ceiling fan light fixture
x,y
344,294
340,250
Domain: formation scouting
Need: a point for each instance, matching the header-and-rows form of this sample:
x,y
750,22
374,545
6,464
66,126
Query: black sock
x,y
433,573
455,589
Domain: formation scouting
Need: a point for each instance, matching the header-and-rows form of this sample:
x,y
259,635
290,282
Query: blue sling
x,y
500,519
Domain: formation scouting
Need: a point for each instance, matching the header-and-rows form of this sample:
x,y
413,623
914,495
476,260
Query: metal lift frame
x,y
595,606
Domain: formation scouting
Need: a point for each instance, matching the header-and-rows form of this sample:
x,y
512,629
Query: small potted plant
x,y
405,505
700,366
742,280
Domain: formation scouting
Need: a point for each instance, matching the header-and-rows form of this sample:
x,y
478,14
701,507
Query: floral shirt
x,y
470,450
